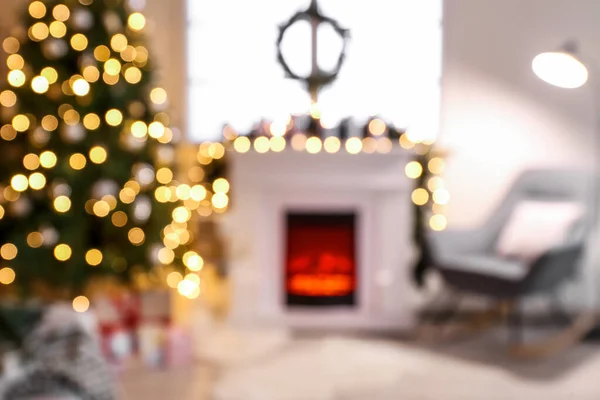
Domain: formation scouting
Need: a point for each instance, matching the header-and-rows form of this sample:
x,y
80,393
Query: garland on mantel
x,y
306,133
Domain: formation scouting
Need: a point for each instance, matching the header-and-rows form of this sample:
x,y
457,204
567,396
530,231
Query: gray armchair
x,y
467,262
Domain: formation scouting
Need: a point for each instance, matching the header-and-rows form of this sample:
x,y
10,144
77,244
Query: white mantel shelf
x,y
373,171
374,186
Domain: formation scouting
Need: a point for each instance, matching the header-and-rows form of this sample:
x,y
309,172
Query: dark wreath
x,y
322,78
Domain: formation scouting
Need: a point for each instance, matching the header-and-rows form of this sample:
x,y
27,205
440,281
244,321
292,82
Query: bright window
x,y
392,69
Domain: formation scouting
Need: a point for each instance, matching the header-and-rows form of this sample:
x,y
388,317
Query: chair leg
x,y
440,313
514,319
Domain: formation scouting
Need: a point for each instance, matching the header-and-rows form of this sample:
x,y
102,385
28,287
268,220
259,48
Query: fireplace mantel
x,y
373,186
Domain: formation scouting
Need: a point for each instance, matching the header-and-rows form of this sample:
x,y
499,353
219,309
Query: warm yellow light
x,y
220,200
162,194
91,73
15,61
188,288
48,159
383,145
136,21
77,161
79,42
1,212
49,123
81,304
112,67
315,111
441,196
19,183
20,122
139,129
71,117
216,151
277,144
37,9
58,29
133,185
435,183
181,214
171,240
262,144
118,42
353,145
62,252
369,145
81,87
11,45
50,74
405,142
39,84
8,98
93,257
438,222
242,144
221,185
193,261
31,161
413,169
129,54
377,127
136,236
102,53
61,12
420,196
298,142
141,57
101,208
436,165
198,192
332,144
560,69
119,219
8,133
114,117
35,240
62,204
98,154
7,276
313,145
173,279
111,200
156,130
127,195
183,192
37,181
158,95
16,78
164,175
133,75
8,251
39,31
166,255
91,121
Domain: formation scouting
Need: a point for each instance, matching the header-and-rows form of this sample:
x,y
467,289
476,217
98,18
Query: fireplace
x,y
320,260
321,241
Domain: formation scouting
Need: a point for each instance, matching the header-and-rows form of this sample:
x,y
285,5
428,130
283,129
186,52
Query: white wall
x,y
497,117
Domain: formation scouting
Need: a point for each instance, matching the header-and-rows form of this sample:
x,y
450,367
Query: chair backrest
x,y
546,185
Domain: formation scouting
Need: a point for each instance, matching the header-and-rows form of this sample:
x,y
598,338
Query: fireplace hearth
x,y
320,260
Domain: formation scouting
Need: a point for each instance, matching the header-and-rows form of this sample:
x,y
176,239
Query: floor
x,y
351,368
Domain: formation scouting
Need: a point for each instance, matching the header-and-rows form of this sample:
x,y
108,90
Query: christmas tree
x,y
86,183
